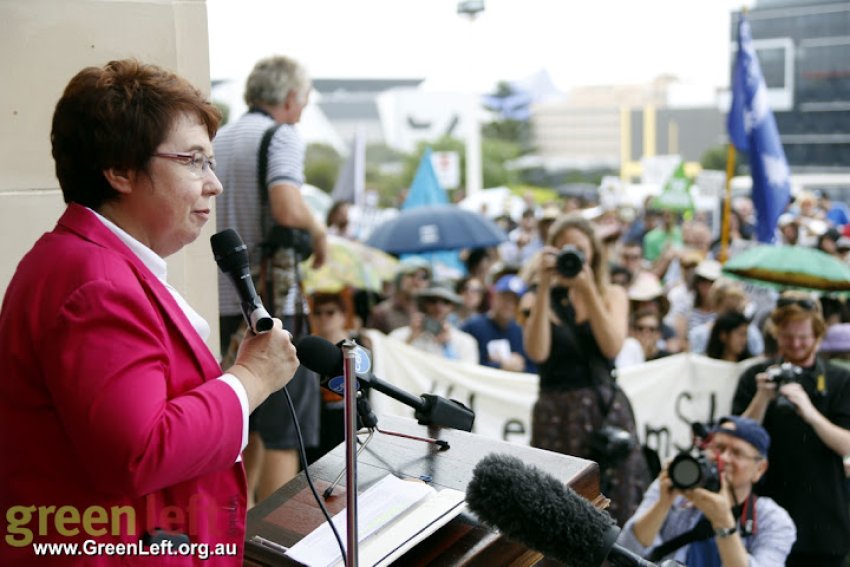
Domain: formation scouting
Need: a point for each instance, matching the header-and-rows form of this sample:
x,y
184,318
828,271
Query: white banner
x,y
666,394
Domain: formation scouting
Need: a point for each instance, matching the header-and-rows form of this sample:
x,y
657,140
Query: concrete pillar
x,y
43,43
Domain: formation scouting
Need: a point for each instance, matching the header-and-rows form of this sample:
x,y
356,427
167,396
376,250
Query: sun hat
x,y
439,290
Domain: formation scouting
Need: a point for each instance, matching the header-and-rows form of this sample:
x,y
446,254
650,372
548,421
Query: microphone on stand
x,y
325,358
231,255
541,512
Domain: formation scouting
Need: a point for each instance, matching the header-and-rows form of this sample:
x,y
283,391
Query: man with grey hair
x,y
264,205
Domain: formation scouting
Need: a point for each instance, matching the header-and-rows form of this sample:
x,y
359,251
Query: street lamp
x,y
470,8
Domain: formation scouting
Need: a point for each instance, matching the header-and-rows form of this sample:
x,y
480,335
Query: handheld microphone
x,y
538,510
325,358
231,255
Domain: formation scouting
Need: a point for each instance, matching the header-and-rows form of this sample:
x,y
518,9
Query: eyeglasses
x,y
644,328
422,276
628,257
806,304
197,162
323,312
734,452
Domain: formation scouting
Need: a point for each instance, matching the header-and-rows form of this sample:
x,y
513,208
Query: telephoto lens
x,y
569,261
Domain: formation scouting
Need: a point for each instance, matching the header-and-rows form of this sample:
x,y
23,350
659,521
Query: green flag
x,y
676,195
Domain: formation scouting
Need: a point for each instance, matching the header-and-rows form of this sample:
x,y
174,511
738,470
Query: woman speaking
x,y
117,425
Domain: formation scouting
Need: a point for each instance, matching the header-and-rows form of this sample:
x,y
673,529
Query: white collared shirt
x,y
159,268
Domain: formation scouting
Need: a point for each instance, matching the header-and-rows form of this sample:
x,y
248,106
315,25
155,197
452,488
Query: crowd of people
x,y
109,373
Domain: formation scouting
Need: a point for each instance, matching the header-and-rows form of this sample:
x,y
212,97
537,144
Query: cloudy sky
x,y
578,43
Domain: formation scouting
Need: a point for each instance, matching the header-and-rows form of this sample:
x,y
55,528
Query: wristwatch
x,y
725,532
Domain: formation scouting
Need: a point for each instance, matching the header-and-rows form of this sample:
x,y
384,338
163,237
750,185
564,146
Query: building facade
x,y
804,51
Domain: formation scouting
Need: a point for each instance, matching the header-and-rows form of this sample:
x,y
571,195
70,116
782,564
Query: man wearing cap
x,y
413,275
807,413
430,330
497,332
730,527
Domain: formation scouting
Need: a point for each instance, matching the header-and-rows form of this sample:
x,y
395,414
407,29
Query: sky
x,y
578,43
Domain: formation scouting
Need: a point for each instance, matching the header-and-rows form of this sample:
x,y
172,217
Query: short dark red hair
x,y
116,116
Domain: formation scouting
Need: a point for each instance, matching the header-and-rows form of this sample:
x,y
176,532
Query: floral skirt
x,y
564,421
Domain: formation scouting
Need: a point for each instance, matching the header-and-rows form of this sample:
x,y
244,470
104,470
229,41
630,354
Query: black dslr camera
x,y
610,445
688,470
694,471
785,373
569,261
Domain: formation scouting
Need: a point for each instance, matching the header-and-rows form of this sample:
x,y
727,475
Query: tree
x,y
321,166
385,173
510,107
715,158
224,109
494,155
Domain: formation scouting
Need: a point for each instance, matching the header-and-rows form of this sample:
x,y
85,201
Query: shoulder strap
x,y
702,530
266,275
744,519
262,170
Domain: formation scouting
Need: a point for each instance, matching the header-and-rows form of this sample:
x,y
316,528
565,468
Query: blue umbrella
x,y
436,227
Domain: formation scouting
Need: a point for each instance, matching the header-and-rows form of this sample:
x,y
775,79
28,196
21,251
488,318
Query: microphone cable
x,y
302,454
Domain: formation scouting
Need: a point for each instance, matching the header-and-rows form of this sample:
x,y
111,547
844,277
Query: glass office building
x,y
804,51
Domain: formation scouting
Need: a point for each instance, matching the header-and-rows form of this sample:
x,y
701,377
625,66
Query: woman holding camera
x,y
577,325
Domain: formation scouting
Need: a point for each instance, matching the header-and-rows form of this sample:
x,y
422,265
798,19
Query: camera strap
x,y
600,370
744,514
820,380
266,262
267,273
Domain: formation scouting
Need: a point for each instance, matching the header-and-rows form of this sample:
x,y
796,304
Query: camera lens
x,y
569,261
689,471
685,472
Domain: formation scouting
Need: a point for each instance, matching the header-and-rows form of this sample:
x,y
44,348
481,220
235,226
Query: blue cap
x,y
747,429
511,283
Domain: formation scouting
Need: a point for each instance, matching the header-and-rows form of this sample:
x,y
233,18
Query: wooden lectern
x,y
291,513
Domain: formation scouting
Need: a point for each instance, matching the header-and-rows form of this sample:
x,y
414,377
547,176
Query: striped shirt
x,y
236,149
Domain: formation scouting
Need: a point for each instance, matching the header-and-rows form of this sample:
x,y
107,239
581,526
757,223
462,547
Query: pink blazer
x,y
109,408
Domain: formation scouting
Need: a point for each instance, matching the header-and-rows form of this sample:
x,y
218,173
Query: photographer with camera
x,y
577,325
713,517
261,166
807,413
430,329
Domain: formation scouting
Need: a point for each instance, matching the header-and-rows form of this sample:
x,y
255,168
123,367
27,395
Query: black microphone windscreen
x,y
536,509
229,251
319,355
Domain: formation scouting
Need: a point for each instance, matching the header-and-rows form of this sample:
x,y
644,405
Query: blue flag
x,y
425,189
752,129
